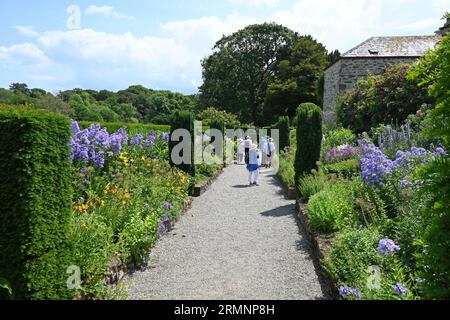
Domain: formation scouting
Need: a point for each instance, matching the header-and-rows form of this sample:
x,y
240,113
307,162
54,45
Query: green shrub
x,y
286,170
284,127
309,139
132,128
351,254
338,137
331,209
312,184
388,99
183,120
344,169
36,198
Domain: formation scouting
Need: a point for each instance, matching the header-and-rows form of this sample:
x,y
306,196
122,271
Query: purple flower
x,y
164,136
167,206
99,161
386,247
340,153
75,127
161,228
404,184
440,151
375,165
84,171
136,141
345,292
400,289
166,218
146,206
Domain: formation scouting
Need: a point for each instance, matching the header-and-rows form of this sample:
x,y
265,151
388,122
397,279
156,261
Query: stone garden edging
x,y
201,188
320,245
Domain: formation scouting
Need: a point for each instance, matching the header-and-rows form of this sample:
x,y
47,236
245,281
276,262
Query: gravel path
x,y
237,242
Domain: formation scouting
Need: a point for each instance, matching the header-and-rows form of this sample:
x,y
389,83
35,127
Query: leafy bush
x,y
183,120
344,169
309,139
382,99
35,195
312,184
211,114
331,209
338,137
350,256
433,70
284,127
286,170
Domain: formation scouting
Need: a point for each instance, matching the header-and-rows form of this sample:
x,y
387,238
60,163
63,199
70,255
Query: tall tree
x,y
297,79
237,74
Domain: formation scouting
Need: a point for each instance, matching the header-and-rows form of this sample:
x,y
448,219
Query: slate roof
x,y
409,46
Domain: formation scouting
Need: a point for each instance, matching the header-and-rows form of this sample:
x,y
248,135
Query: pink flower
x,y
419,112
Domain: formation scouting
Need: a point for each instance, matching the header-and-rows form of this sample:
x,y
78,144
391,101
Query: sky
x,y
112,44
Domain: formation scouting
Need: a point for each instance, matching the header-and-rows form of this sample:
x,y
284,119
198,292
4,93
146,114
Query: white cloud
x,y
26,31
256,3
107,11
23,54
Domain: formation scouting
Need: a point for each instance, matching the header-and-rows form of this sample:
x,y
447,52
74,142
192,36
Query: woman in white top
x,y
254,165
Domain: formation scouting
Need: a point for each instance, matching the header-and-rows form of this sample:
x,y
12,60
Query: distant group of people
x,y
255,157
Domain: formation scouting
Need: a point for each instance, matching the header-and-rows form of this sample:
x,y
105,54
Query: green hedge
x,y
183,120
36,202
132,128
344,169
284,127
309,140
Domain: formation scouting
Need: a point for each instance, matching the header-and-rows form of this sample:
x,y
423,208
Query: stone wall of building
x,y
343,75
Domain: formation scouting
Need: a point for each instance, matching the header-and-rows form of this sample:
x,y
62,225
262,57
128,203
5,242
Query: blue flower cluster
x,y
400,289
95,144
375,165
386,247
346,292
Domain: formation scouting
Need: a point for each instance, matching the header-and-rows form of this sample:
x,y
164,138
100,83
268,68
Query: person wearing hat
x,y
271,151
254,164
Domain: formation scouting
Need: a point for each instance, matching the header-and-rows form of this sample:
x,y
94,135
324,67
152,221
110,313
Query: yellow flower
x,y
124,202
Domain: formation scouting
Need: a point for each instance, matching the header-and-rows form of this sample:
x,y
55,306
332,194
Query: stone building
x,y
371,57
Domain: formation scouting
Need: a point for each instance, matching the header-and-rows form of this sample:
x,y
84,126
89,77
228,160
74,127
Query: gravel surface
x,y
237,242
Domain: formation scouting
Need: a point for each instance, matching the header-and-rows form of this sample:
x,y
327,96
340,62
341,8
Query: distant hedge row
x,y
35,198
132,128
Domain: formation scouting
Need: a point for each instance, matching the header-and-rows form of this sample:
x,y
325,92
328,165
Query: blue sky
x,y
159,44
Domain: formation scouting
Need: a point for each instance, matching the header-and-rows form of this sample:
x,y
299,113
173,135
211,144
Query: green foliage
x,y
345,169
337,137
382,99
312,184
35,191
309,139
297,79
211,114
132,128
183,120
286,170
331,209
133,105
350,256
236,75
4,284
285,129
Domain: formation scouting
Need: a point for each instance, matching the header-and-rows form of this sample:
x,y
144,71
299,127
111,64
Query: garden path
x,y
236,242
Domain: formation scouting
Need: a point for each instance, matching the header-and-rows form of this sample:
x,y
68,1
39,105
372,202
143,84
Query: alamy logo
x,y
74,280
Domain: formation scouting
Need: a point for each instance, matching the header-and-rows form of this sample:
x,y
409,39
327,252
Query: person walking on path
x,y
240,151
247,144
254,165
271,152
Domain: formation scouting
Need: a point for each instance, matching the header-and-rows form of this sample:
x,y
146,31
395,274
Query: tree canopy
x,y
237,74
